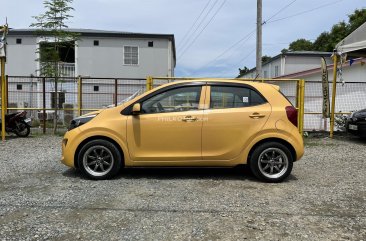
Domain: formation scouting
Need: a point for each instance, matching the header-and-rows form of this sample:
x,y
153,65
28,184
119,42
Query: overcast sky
x,y
223,38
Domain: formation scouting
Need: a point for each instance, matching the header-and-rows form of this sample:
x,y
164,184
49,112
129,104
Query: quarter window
x,y
234,97
174,100
130,55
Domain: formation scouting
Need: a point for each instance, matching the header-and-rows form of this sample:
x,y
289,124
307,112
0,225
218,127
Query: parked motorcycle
x,y
17,123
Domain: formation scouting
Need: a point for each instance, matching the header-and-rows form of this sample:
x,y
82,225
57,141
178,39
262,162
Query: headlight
x,y
80,121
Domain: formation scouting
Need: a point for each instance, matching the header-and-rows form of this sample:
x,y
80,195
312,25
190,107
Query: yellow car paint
x,y
200,137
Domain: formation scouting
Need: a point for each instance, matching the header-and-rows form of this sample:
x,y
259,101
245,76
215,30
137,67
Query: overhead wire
x,y
197,36
247,37
199,25
196,20
306,11
278,12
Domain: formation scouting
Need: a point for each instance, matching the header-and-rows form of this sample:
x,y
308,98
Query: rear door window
x,y
234,97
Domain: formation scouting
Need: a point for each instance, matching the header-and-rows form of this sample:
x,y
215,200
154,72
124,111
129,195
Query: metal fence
x,y
75,96
350,97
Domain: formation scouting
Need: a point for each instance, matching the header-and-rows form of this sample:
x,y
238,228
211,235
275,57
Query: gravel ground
x,y
324,198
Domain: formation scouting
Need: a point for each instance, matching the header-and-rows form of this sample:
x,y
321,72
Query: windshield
x,y
137,93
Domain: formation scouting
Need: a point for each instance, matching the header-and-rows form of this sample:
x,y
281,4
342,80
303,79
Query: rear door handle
x,y
256,115
189,118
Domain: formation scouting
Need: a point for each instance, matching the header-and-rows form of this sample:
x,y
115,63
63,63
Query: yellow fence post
x,y
334,91
3,96
79,95
149,83
302,106
6,93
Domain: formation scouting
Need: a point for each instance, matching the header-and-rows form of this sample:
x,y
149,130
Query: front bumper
x,y
69,146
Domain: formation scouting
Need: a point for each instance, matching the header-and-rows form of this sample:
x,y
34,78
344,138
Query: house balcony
x,y
66,69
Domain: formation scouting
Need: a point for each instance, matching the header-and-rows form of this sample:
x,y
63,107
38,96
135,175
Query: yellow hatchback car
x,y
206,123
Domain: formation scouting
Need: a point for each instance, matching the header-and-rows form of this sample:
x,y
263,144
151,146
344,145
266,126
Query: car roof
x,y
197,80
256,85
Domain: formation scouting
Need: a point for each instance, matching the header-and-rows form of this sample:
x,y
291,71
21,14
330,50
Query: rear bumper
x,y
298,144
361,128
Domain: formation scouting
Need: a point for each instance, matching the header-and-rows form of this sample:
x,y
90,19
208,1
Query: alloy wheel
x,y
98,160
273,162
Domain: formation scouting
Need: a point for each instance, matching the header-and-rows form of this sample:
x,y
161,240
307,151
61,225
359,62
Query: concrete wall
x,y
288,65
106,60
298,63
21,58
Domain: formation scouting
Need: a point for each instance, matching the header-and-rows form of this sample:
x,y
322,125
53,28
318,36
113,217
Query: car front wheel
x,y
99,159
271,162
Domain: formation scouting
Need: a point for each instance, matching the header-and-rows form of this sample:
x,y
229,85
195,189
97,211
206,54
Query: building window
x,y
96,88
96,42
19,87
150,44
276,71
19,41
130,55
265,74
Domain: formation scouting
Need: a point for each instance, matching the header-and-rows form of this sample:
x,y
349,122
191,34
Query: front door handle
x,y
256,115
189,118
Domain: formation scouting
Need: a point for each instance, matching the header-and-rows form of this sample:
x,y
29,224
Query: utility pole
x,y
259,39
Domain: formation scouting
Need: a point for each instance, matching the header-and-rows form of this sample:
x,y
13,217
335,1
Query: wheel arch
x,y
273,139
99,137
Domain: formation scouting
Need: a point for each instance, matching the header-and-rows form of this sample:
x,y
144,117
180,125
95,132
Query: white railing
x,y
66,69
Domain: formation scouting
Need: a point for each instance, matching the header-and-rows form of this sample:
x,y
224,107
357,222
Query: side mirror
x,y
136,109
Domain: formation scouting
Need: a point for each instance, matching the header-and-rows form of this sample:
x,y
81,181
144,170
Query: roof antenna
x,y
256,77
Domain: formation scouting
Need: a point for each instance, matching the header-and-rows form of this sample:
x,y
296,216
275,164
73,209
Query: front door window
x,y
175,100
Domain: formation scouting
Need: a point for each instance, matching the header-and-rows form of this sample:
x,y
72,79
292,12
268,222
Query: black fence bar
x,y
44,104
115,92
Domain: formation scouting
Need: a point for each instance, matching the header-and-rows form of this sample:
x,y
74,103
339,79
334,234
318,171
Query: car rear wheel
x,y
99,159
271,162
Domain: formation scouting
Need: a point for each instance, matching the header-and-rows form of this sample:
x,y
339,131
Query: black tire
x,y
99,160
23,131
271,162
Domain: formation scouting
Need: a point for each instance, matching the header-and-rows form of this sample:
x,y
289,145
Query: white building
x,y
351,94
96,56
351,90
97,53
288,63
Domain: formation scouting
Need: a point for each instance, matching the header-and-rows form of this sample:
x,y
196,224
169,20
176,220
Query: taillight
x,y
292,114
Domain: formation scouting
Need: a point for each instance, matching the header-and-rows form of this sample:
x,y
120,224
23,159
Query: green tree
x,y
356,20
301,45
322,42
51,27
266,58
242,72
326,41
338,32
